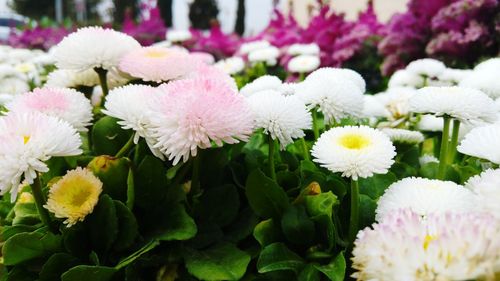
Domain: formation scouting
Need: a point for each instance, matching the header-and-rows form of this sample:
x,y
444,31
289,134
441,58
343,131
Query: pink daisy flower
x,y
211,72
66,104
204,57
192,113
158,64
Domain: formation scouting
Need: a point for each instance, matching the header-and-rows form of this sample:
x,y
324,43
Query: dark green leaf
x,y
108,137
321,204
297,226
127,227
276,257
375,185
56,265
174,224
309,273
219,205
335,270
88,272
26,246
267,232
367,208
150,182
266,198
103,224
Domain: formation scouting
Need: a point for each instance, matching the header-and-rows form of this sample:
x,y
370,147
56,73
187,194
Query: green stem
x,y
272,171
102,73
195,176
354,218
443,152
452,150
305,150
36,188
126,148
315,124
130,188
302,76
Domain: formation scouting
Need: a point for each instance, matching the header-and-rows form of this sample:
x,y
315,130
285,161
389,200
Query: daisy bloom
x,y
267,55
430,123
93,47
131,105
303,63
425,197
486,186
426,158
74,196
489,64
426,67
206,71
404,78
303,49
482,142
464,104
231,65
66,104
451,76
372,107
192,113
266,82
484,80
157,64
326,73
356,152
248,47
282,117
403,136
451,246
27,140
178,35
66,78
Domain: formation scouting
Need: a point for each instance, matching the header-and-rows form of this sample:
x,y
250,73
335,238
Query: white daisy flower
x,y
426,159
405,78
131,105
93,47
356,152
372,107
486,186
303,49
451,76
453,246
66,78
484,80
27,140
66,104
178,35
282,117
14,85
325,73
303,63
266,82
492,64
426,67
425,197
403,135
248,47
231,65
430,123
396,101
334,96
267,55
288,88
464,104
482,142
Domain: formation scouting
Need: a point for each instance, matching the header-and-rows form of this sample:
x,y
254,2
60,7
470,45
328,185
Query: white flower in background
x,y
405,78
372,107
26,141
426,67
93,47
442,247
303,49
464,104
482,142
403,136
304,63
336,97
325,73
396,101
18,55
66,78
451,76
426,159
163,44
288,88
486,186
14,85
131,105
263,83
492,64
282,117
424,197
356,152
67,104
430,123
267,55
486,81
176,36
231,65
248,47
203,57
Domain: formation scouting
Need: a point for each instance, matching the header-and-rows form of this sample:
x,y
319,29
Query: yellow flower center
x,y
156,53
428,239
353,141
26,139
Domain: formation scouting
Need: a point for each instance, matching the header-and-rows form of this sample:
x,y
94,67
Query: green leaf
x,y
23,247
375,185
108,137
9,231
335,270
367,208
89,272
113,173
309,273
429,170
137,254
325,230
266,198
76,240
321,204
56,265
127,227
297,226
219,205
150,182
221,262
103,224
276,257
267,232
25,214
242,226
173,223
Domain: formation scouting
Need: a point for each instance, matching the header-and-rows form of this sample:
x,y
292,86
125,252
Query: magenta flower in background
x,y
214,42
37,37
146,31
281,31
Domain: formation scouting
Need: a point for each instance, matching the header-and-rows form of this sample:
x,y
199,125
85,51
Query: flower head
x,y
66,104
268,55
425,197
74,196
303,49
403,135
248,47
356,152
263,83
178,35
482,142
231,65
325,73
486,186
405,78
27,140
426,67
464,104
158,64
282,117
192,113
304,63
91,47
484,80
